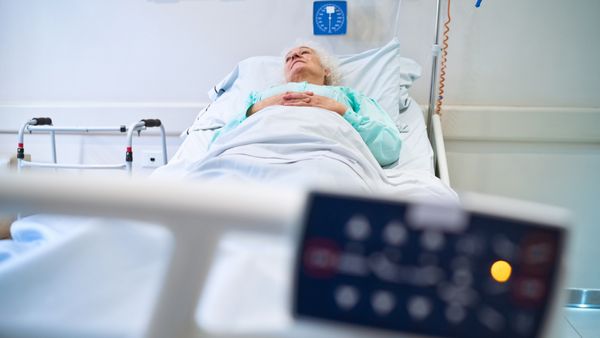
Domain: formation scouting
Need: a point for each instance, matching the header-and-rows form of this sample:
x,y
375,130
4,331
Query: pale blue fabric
x,y
374,125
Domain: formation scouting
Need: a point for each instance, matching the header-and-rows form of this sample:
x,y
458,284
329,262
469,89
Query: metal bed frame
x,y
434,122
44,125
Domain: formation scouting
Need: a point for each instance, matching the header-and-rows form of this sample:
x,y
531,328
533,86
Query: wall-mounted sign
x,y
330,17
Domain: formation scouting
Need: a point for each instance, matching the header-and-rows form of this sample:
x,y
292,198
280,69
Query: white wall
x,y
511,64
512,52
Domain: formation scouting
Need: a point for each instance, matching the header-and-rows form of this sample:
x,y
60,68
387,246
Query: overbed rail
x,y
197,216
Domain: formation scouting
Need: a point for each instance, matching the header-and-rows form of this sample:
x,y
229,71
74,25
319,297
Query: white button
x,y
455,313
432,240
346,297
352,264
462,277
383,302
470,245
419,307
491,319
381,267
503,247
427,276
358,228
394,233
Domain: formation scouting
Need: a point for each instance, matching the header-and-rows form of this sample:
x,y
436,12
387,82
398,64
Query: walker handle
x,y
42,121
150,123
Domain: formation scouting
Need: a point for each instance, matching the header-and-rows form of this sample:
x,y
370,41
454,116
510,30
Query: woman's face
x,y
303,64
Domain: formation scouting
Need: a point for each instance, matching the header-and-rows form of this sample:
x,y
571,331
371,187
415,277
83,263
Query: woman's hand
x,y
309,99
276,100
299,99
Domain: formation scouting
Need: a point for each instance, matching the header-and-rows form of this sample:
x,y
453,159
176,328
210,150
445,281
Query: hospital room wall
x,y
522,110
521,88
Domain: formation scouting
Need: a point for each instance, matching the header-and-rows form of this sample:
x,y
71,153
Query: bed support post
x,y
434,126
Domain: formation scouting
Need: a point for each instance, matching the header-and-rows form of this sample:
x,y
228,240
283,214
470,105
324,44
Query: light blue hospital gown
x,y
374,125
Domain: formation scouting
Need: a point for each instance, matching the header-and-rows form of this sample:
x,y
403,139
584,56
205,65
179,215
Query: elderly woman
x,y
309,84
305,133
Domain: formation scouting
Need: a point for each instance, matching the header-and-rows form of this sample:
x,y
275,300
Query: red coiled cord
x,y
438,105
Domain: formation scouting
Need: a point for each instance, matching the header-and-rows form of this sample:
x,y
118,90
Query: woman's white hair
x,y
328,60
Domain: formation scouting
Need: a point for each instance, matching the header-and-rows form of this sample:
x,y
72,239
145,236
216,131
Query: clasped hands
x,y
299,99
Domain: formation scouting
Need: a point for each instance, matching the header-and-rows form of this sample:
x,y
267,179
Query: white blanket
x,y
303,147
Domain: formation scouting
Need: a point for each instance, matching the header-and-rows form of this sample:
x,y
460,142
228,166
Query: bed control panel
x,y
425,270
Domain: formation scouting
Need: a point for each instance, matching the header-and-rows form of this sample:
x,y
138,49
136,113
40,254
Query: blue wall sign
x,y
330,17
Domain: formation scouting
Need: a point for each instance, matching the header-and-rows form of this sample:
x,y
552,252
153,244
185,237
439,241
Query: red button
x,y
321,258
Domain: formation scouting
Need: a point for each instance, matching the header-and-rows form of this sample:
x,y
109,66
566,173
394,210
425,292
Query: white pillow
x,y
380,73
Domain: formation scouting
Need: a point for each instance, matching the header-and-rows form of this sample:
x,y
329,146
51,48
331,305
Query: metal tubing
x,y
53,139
433,83
72,166
583,298
43,129
21,138
164,143
139,126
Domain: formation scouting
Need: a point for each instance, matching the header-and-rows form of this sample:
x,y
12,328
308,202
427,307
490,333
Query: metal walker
x,y
44,125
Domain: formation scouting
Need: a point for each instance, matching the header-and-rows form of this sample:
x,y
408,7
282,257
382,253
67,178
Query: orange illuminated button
x,y
501,271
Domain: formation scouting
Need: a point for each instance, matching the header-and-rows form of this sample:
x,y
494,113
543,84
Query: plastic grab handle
x,y
42,121
150,123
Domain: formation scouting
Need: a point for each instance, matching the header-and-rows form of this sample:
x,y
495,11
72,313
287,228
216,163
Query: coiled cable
x,y
438,104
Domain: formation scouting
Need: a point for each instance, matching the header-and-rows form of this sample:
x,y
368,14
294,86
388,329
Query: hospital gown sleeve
x,y
253,97
375,127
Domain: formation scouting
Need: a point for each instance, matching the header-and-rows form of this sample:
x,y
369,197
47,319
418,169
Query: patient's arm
x,y
375,127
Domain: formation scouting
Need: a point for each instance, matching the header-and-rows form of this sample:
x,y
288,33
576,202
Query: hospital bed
x,y
139,279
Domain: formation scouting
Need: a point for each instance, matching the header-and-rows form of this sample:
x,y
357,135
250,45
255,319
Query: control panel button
x,y
419,307
353,264
523,323
358,228
470,245
491,319
529,290
432,240
462,277
538,251
321,258
455,313
346,297
383,302
395,233
504,248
